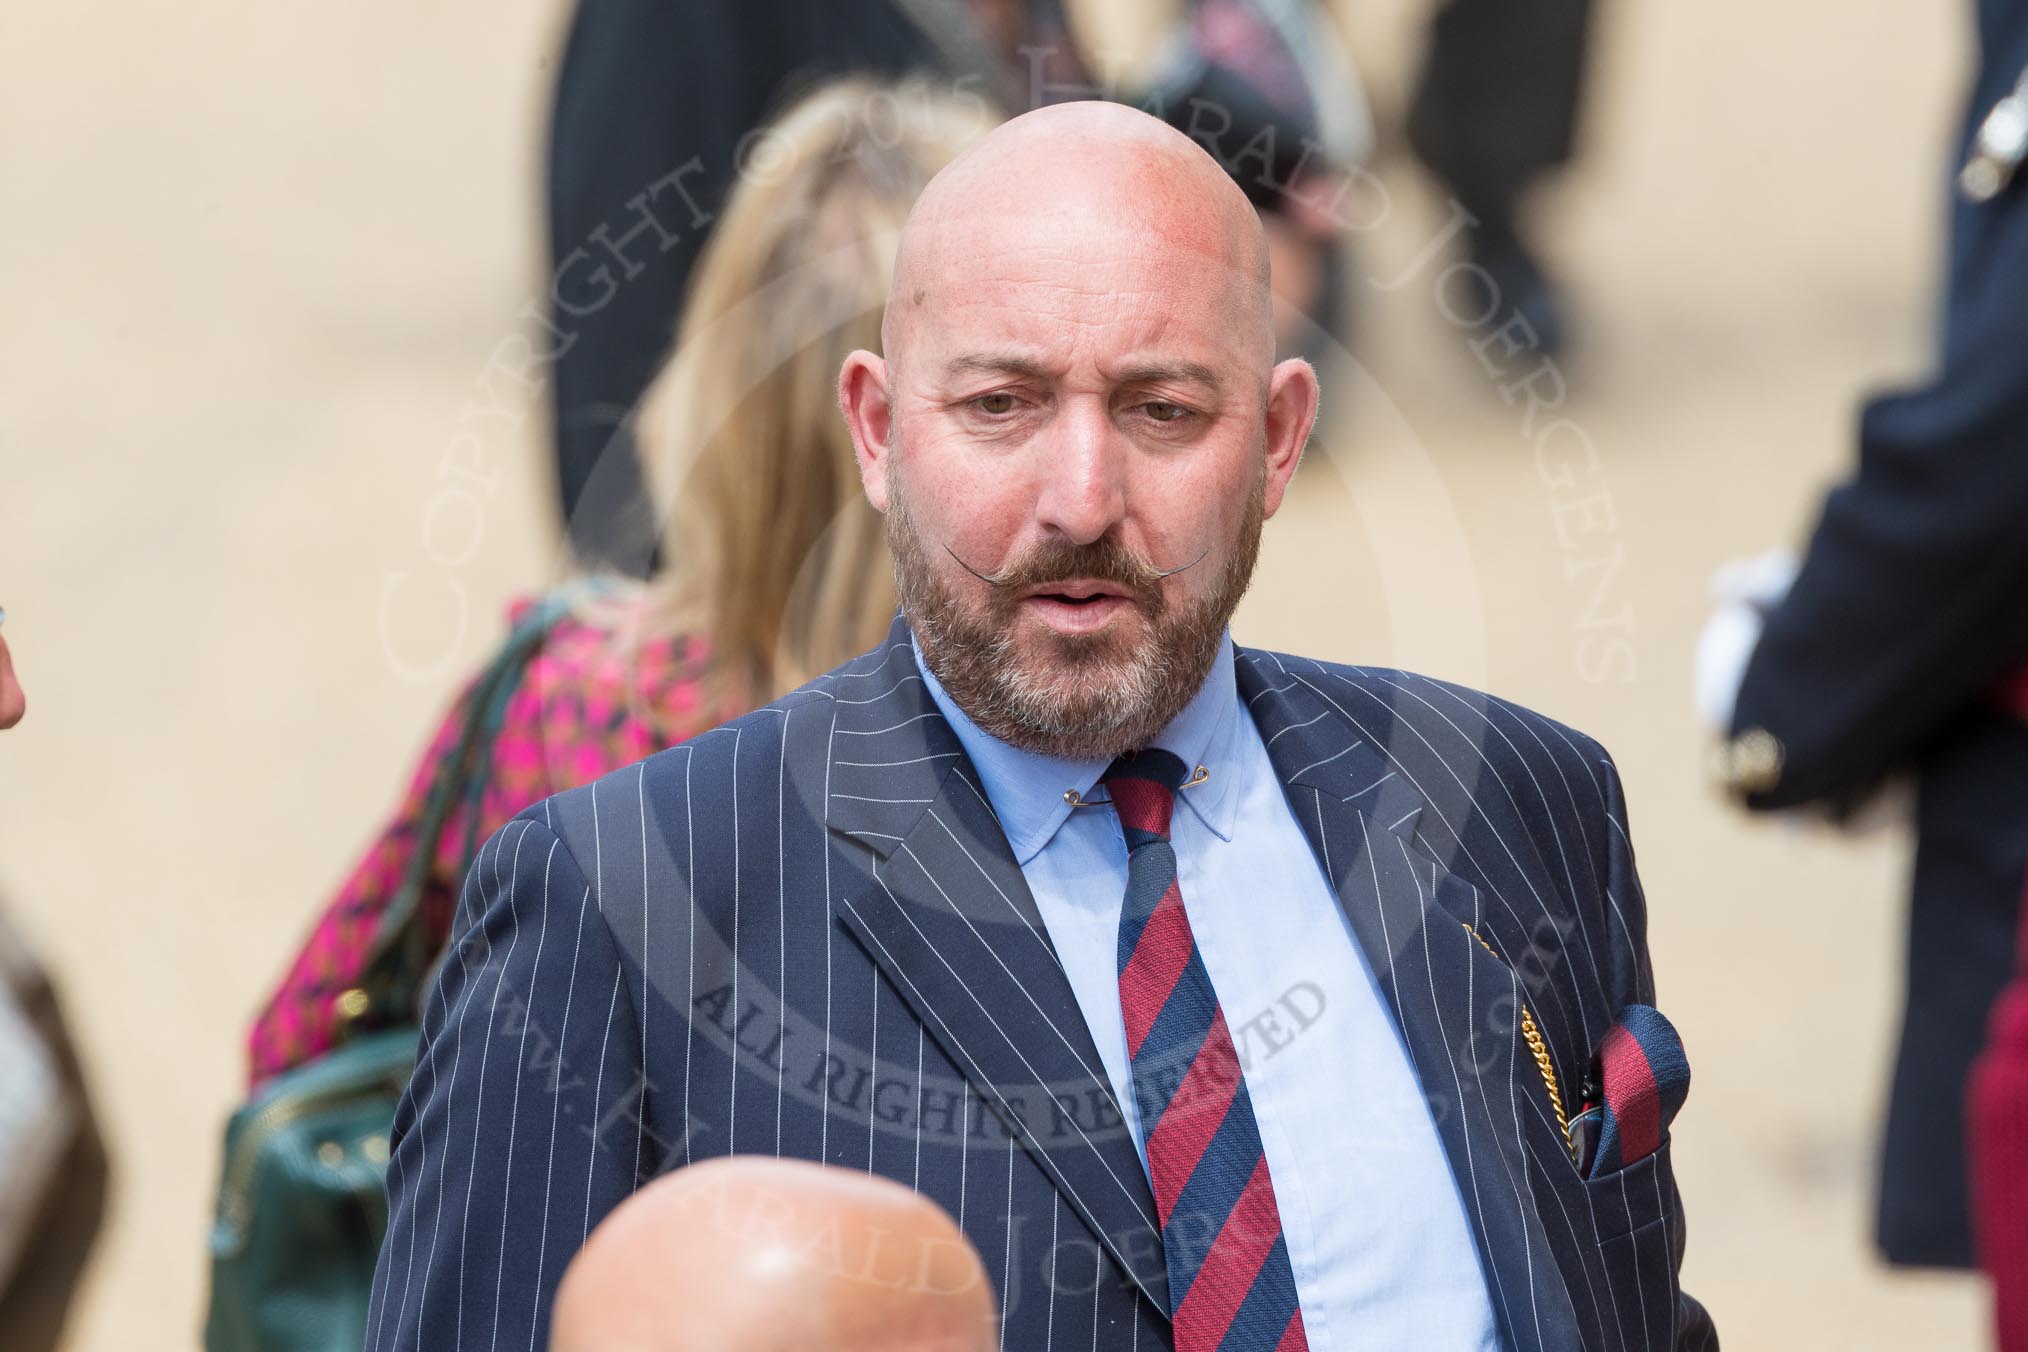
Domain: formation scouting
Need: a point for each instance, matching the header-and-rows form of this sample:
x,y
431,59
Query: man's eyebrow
x,y
1171,372
1133,373
996,364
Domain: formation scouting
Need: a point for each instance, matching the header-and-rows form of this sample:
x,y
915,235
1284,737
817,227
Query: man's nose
x,y
1083,477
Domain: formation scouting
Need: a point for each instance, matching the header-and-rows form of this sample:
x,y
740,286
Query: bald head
x,y
1078,425
1081,181
762,1255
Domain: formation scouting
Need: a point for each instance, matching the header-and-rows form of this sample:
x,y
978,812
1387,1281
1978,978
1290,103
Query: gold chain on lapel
x,y
1538,1049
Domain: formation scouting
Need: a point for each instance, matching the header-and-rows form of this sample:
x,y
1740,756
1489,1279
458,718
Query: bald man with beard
x,y
1225,999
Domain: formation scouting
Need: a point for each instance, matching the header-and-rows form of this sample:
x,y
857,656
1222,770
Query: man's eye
x,y
994,405
1163,412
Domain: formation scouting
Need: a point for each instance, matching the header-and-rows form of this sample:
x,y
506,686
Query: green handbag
x,y
302,1196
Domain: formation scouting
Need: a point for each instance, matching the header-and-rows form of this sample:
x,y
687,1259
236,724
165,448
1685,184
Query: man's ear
x,y
1291,413
869,416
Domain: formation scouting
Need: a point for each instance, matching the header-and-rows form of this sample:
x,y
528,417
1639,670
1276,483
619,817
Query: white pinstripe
x,y
873,1059
738,870
556,1101
1343,751
401,1173
514,1116
1292,727
1098,1276
1668,1255
647,1008
824,1125
881,732
1055,1219
781,909
921,1034
598,1097
689,967
964,1145
1639,1294
875,699
1007,1263
1361,793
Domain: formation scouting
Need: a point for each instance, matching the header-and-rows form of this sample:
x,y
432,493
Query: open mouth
x,y
1076,607
1079,591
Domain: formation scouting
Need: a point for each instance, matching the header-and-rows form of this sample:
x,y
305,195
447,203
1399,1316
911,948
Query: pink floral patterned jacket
x,y
585,705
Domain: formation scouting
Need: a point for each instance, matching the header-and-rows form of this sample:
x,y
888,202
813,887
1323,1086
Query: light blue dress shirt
x,y
1376,1229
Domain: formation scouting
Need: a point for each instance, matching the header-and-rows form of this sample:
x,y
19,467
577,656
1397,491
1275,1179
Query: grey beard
x,y
1098,698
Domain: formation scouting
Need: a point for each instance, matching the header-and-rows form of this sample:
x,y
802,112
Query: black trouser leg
x,y
1498,99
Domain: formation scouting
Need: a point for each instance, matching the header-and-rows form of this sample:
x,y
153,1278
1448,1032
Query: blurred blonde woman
x,y
778,567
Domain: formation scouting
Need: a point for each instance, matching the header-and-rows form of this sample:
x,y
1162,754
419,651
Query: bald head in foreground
x,y
750,1254
1227,1000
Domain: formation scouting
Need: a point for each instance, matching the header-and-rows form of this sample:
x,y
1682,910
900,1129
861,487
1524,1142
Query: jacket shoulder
x,y
1436,730
707,765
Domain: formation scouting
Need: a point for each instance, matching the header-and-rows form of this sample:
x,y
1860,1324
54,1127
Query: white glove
x,y
1745,590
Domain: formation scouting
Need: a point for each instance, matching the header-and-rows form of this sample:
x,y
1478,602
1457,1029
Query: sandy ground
x,y
261,259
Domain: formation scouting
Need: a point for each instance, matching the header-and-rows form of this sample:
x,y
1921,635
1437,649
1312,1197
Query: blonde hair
x,y
775,558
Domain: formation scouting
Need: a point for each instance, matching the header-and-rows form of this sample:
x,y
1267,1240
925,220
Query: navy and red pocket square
x,y
1637,1083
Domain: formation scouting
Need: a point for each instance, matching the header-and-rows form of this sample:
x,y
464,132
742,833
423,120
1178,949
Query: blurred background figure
x,y
1270,90
1267,88
747,1254
1899,647
53,1171
655,111
777,568
1495,110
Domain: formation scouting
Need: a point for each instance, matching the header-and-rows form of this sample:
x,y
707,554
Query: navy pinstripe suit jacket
x,y
803,934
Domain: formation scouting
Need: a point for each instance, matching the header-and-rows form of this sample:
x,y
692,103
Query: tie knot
x,y
1143,787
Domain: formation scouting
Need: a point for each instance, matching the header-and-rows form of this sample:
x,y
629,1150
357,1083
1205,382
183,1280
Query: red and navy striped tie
x,y
1230,1283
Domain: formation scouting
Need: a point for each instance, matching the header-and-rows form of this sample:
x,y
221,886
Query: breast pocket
x,y
1632,1199
1640,1239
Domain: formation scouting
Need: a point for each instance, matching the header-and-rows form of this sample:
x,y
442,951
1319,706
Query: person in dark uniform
x,y
1495,108
654,104
1900,647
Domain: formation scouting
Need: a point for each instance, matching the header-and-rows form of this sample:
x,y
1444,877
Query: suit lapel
x,y
1455,1003
942,908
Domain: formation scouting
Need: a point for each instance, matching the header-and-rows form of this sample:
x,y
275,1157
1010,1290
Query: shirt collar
x,y
1026,788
